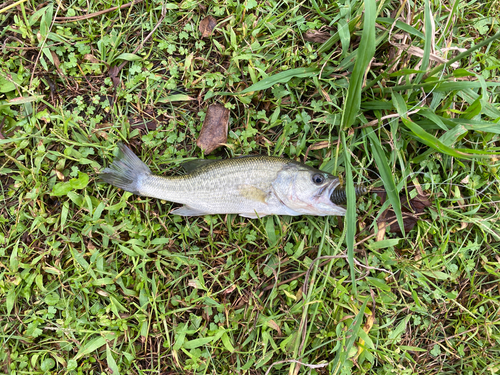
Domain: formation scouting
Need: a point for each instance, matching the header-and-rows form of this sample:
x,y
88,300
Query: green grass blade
x,y
448,28
429,35
386,176
475,125
350,217
265,83
318,9
400,104
434,118
90,346
436,144
438,86
282,77
365,53
111,361
336,37
401,25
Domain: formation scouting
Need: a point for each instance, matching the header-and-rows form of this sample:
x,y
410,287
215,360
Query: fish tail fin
x,y
126,171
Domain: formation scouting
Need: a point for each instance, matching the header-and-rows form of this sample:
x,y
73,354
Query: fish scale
x,y
252,186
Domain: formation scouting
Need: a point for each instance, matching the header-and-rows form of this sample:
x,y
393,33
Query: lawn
x,y
401,97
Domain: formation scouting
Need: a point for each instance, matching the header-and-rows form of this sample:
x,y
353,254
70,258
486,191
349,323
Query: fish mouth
x,y
327,190
326,199
334,185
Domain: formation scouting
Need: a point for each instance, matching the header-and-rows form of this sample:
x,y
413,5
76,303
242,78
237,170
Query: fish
x,y
251,186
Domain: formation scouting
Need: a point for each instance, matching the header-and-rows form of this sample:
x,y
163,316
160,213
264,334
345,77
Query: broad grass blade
x,y
90,347
434,118
476,125
366,50
436,144
365,53
386,176
282,77
263,84
429,37
350,217
336,37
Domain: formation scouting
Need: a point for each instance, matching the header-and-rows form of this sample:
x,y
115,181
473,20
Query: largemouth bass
x,y
251,186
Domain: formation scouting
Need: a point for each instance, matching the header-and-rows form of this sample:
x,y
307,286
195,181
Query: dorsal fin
x,y
192,165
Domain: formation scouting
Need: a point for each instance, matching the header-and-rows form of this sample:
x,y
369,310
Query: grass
x,y
402,96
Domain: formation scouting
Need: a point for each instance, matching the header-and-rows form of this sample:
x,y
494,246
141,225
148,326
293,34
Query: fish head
x,y
307,190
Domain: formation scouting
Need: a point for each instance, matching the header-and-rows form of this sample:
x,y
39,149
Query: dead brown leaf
x,y
57,63
316,36
214,130
272,324
143,125
113,74
410,211
316,146
207,26
91,58
382,225
1,126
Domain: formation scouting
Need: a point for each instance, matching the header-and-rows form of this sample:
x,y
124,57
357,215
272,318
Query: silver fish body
x,y
251,186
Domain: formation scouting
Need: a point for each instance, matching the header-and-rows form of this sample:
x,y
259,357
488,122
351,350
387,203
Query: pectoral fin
x,y
189,211
253,193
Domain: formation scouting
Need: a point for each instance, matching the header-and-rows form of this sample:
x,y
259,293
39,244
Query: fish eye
x,y
318,179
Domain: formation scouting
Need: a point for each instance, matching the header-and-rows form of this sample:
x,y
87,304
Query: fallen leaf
x,y
326,96
370,319
1,127
419,52
419,203
91,58
175,98
113,74
319,145
207,26
272,324
57,63
143,125
195,283
59,175
316,36
382,224
316,146
410,210
214,130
